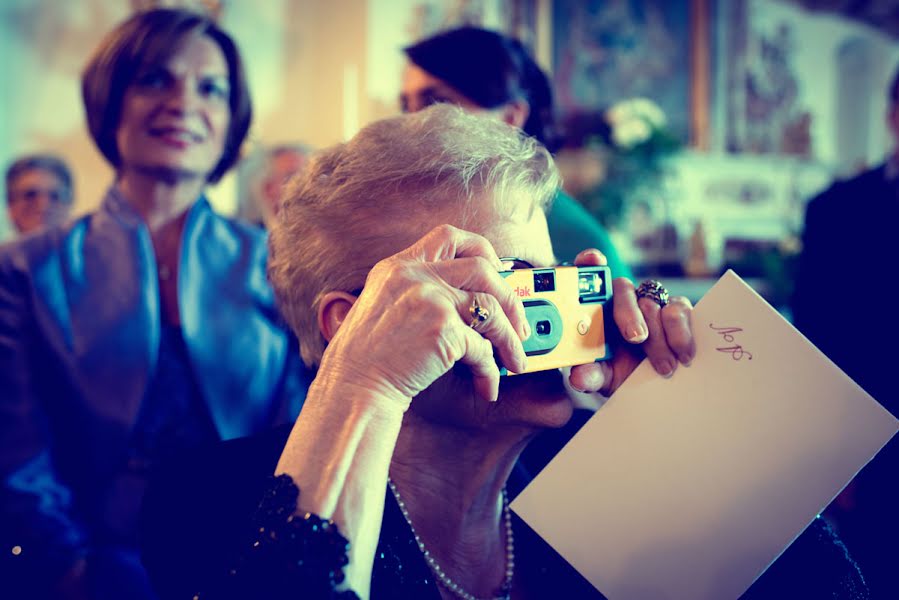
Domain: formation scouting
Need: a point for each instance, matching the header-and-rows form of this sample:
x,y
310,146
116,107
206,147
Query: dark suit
x,y
79,344
843,305
847,265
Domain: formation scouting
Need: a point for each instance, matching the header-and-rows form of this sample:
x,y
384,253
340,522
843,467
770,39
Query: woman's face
x,y
175,116
37,198
420,90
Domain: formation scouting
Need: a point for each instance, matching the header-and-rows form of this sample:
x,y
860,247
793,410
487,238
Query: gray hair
x,y
44,162
360,202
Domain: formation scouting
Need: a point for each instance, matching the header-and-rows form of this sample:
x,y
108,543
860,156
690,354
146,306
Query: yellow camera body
x,y
564,307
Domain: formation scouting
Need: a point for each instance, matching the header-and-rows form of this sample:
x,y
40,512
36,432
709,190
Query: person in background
x,y
849,236
141,329
487,72
268,177
39,192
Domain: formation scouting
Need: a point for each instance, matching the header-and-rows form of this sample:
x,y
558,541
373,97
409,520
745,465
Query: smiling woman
x,y
139,330
175,116
163,67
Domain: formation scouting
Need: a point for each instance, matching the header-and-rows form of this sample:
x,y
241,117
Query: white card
x,y
689,487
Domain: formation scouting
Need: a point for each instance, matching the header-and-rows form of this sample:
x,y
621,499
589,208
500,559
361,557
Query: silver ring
x,y
654,290
478,313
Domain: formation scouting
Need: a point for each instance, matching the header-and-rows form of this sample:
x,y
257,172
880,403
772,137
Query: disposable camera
x,y
565,309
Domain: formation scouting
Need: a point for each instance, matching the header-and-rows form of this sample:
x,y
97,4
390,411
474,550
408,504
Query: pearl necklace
x,y
504,592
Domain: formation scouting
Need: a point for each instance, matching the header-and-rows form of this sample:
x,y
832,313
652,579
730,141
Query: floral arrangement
x,y
635,143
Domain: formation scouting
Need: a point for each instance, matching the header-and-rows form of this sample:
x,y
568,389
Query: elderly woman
x,y
386,260
141,329
489,73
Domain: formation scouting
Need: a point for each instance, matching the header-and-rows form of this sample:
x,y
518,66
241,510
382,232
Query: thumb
x,y
593,377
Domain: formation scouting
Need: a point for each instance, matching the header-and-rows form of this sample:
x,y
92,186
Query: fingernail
x,y
666,369
525,330
637,333
595,379
507,266
688,363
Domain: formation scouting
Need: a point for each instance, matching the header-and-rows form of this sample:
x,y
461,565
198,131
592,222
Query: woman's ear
x,y
516,113
332,310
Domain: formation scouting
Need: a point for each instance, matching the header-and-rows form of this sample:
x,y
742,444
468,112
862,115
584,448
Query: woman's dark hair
x,y
490,69
149,39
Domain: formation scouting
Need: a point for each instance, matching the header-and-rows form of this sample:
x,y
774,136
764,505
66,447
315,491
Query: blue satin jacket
x,y
79,340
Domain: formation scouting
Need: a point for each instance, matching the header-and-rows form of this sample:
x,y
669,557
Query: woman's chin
x,y
170,170
534,401
538,399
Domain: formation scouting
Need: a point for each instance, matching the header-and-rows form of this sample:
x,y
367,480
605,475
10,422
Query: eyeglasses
x,y
32,195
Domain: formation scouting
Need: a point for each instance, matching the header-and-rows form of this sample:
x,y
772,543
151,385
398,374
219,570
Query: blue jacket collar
x,y
110,276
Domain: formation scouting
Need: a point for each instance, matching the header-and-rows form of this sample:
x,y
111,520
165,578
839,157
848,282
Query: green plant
x,y
636,145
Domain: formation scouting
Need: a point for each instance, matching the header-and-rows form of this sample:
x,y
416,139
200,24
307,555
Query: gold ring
x,y
478,313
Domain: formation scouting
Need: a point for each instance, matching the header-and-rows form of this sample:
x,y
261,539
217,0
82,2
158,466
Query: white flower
x,y
649,110
619,113
633,121
642,108
630,133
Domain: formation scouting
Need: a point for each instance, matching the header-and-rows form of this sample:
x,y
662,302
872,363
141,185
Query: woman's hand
x,y
409,326
412,321
661,334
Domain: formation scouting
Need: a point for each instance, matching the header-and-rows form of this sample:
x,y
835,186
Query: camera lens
x,y
543,327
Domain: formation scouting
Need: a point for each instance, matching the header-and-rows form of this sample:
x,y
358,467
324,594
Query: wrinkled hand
x,y
411,323
663,335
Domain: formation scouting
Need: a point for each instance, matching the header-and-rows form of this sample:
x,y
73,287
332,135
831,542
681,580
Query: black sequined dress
x,y
208,535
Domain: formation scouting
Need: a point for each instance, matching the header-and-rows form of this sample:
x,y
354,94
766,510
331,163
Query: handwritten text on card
x,y
736,351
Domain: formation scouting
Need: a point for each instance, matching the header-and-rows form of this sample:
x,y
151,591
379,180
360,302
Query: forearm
x,y
340,459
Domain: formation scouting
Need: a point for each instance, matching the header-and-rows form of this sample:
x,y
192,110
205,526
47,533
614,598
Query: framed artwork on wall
x,y
794,82
765,112
607,51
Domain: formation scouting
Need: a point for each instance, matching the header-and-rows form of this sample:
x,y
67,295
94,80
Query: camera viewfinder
x,y
589,283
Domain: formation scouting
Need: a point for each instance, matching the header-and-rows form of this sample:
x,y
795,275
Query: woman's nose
x,y
39,201
182,96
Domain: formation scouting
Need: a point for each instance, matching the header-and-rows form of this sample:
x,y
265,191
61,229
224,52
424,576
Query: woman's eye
x,y
213,89
153,80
